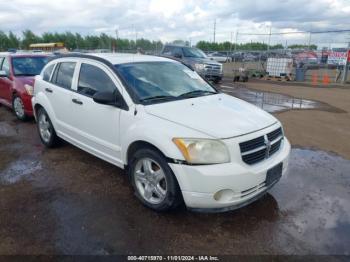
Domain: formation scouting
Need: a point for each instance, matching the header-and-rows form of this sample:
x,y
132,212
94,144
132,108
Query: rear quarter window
x,y
47,73
63,75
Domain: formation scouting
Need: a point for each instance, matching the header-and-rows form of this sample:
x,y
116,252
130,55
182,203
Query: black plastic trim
x,y
184,162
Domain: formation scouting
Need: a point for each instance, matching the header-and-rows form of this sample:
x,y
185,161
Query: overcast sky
x,y
192,20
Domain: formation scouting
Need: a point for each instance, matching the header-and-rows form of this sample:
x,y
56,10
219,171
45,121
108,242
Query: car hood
x,y
22,80
219,116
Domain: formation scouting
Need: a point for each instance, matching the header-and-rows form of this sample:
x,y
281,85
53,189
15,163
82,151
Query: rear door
x,y
96,125
59,92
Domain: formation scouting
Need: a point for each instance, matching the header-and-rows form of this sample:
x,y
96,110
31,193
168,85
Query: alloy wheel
x,y
18,107
150,180
45,128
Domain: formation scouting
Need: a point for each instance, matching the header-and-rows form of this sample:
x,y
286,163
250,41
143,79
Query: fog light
x,y
224,195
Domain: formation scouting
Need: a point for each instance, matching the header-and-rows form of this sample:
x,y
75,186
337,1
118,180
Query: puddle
x,y
18,170
314,197
273,102
6,130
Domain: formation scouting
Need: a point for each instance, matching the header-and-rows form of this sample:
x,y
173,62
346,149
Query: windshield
x,y
163,81
28,66
193,52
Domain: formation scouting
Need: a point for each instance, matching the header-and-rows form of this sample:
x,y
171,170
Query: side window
x,y
177,51
64,74
1,59
93,79
6,66
47,72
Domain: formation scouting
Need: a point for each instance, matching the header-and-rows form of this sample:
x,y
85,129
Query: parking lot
x,y
65,201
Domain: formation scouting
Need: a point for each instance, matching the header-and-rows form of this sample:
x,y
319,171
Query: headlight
x,y
29,89
199,67
203,151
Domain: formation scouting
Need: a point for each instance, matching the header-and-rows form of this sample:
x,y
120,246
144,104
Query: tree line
x,y
258,46
74,41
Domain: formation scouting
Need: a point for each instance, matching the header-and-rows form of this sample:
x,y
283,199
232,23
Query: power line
x,y
299,32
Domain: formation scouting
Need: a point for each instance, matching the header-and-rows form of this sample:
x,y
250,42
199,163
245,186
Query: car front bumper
x,y
223,187
27,103
211,76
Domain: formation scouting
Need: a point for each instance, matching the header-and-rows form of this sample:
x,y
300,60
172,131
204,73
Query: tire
x,y
46,130
217,80
18,108
156,189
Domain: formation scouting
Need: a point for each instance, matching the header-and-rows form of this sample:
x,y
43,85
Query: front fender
x,y
153,130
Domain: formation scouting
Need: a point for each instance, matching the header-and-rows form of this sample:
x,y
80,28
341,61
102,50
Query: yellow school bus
x,y
48,47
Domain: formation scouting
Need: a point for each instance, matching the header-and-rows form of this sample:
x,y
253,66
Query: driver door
x,y
96,126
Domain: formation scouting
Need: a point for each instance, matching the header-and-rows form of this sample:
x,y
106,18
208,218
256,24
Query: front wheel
x,y
217,80
18,108
46,130
153,180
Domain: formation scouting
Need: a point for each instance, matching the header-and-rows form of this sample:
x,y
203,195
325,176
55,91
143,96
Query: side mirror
x,y
105,98
3,73
177,55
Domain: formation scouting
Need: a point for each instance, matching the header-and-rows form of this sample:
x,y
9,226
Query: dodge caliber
x,y
179,139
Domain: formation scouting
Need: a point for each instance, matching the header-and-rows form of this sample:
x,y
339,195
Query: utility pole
x,y
231,42
309,44
268,44
346,66
234,56
214,30
116,42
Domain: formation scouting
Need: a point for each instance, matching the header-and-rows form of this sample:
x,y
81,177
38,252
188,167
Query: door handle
x,y
77,101
49,90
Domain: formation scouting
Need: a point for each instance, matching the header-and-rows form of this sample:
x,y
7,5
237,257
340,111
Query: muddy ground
x,y
65,201
324,129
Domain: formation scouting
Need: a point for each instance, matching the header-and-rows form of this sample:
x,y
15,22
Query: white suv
x,y
179,139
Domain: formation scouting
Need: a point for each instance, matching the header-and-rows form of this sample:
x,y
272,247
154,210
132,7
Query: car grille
x,y
213,68
261,148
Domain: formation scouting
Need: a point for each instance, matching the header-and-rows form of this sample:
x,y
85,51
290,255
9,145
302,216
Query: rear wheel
x,y
46,130
153,180
18,108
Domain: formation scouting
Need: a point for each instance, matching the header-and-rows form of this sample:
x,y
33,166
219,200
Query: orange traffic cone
x,y
325,79
314,78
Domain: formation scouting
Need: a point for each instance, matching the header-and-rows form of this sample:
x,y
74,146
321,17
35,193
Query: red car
x,y
17,73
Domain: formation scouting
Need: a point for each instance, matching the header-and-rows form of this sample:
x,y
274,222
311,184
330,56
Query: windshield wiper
x,y
155,98
196,93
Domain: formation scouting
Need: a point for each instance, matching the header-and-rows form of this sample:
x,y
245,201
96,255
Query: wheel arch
x,y
49,111
138,144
